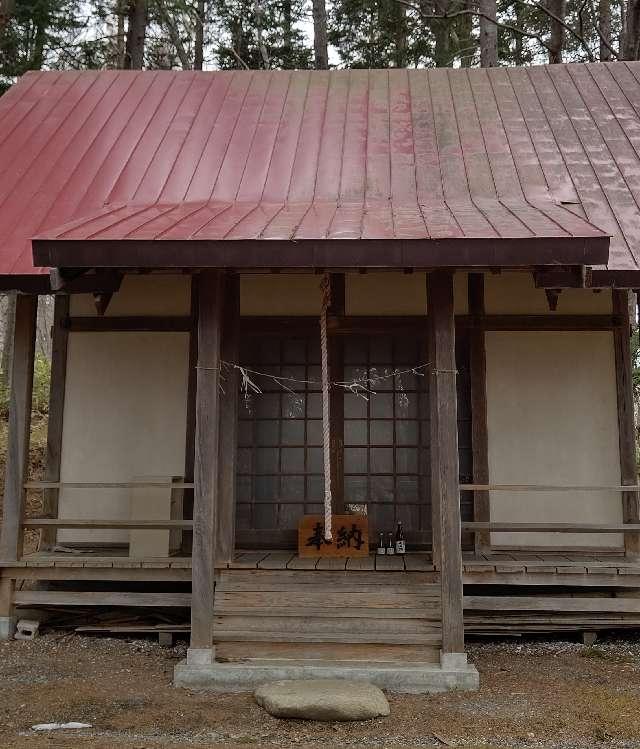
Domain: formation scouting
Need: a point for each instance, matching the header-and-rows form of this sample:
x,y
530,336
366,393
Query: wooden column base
x,y
201,656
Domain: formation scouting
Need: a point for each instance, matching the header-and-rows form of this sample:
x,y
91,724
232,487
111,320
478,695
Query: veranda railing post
x,y
206,466
445,494
17,463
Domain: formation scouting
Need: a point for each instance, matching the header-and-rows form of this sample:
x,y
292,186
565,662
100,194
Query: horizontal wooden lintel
x,y
129,323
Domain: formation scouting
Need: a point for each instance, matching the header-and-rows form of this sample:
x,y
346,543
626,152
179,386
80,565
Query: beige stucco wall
x,y
552,419
365,294
515,294
125,402
157,294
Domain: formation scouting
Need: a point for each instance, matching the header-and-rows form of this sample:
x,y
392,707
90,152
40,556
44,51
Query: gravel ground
x,y
552,694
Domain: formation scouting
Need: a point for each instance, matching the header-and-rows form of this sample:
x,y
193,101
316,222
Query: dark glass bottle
x,y
391,547
401,546
381,547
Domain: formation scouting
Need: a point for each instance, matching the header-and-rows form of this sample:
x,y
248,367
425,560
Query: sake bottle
x,y
381,547
391,547
400,542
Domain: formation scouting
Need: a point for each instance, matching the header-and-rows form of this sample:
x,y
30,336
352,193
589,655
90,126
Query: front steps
x,y
285,624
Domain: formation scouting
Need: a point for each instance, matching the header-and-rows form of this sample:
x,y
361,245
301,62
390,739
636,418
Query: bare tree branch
x,y
561,22
477,14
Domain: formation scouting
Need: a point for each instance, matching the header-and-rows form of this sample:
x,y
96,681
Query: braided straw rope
x,y
326,428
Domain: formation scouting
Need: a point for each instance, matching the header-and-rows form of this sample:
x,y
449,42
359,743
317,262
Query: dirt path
x,y
546,694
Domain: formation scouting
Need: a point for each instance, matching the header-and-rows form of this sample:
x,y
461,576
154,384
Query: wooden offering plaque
x,y
350,536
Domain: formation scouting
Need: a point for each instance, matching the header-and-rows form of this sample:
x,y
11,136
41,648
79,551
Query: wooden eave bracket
x,y
572,277
100,282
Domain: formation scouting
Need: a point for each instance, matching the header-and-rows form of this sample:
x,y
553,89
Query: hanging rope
x,y
326,427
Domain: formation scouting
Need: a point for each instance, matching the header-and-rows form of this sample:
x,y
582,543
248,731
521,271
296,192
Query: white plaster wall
x,y
125,416
552,419
516,294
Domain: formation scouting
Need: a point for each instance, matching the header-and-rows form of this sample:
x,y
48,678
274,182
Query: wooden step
x,y
317,625
229,609
327,614
314,599
328,577
319,651
346,586
340,637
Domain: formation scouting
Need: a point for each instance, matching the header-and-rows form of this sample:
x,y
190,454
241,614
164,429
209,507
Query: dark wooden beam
x,y
141,323
332,254
59,278
626,426
225,543
445,494
17,462
339,325
206,466
60,340
479,441
562,278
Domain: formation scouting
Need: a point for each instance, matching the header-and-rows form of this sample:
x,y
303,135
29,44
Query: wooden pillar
x,y
445,494
60,340
336,395
626,427
226,532
190,435
478,366
24,337
206,471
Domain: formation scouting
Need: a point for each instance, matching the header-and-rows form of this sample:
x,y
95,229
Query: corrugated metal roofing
x,y
505,152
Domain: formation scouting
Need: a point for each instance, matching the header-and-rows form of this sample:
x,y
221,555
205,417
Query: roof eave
x,y
323,253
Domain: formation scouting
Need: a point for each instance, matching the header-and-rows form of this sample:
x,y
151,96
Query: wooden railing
x,y
526,527
93,523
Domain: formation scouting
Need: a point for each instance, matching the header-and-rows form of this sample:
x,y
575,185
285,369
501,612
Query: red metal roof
x,y
504,153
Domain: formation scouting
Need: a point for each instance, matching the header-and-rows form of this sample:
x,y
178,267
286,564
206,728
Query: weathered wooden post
x,y
445,493
206,467
60,343
24,338
230,347
626,426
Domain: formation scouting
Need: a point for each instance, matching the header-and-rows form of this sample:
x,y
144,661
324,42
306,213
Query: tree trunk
x,y
198,52
400,35
488,34
632,31
320,45
467,46
258,18
287,33
136,32
120,12
6,11
604,22
556,39
442,32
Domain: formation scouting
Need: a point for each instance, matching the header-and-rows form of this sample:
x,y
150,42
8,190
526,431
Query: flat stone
x,y
322,699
